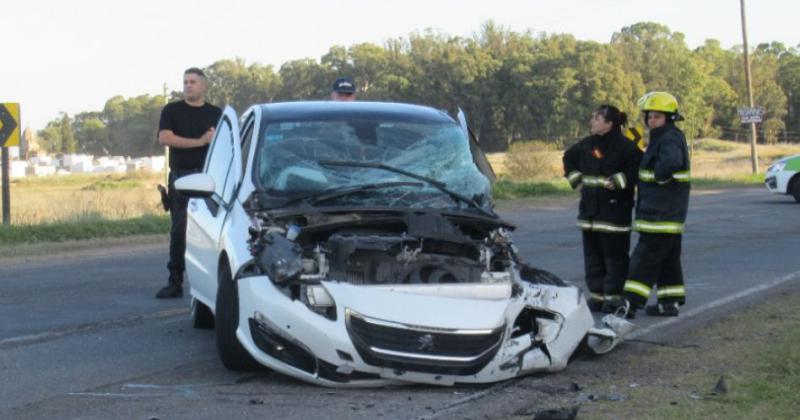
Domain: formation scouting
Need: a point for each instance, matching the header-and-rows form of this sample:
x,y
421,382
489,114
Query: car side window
x,y
220,157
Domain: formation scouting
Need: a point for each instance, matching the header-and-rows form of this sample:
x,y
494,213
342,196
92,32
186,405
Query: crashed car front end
x,y
375,257
386,303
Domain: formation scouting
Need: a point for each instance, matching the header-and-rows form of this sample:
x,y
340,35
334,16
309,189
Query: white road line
x,y
716,303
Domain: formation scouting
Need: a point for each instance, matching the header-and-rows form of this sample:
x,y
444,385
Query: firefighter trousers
x,y
605,259
656,263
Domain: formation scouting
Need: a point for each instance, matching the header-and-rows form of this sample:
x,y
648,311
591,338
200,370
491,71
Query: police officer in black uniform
x,y
344,89
604,166
187,127
661,210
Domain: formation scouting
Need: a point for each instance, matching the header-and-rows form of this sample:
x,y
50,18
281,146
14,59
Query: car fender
x,y
235,234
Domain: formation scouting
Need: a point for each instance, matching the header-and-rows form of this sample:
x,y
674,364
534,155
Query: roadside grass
x,y
531,170
82,228
507,189
757,352
83,206
70,198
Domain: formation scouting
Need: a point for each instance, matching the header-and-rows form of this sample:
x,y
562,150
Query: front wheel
x,y
794,189
231,352
202,317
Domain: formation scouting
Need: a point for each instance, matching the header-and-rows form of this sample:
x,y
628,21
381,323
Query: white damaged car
x,y
782,177
355,244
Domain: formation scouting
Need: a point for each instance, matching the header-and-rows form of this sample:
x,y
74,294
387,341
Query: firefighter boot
x,y
662,309
174,288
612,305
626,310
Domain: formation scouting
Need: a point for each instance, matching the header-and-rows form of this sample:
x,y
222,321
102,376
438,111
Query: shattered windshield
x,y
294,161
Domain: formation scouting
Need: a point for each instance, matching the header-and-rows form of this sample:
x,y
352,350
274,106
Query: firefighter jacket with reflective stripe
x,y
606,168
663,198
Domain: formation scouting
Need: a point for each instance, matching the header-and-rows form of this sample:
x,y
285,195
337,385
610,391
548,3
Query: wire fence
x,y
742,135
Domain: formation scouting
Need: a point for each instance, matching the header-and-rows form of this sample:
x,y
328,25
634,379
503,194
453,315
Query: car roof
x,y
332,110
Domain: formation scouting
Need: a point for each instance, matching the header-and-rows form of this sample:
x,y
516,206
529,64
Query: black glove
x,y
164,196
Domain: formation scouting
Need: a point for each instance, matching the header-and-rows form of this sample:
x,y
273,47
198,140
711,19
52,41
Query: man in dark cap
x,y
344,89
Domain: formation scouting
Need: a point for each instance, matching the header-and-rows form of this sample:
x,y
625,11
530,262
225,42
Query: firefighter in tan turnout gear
x,y
663,200
604,166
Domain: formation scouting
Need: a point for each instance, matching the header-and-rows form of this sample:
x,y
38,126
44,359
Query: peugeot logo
x,y
425,342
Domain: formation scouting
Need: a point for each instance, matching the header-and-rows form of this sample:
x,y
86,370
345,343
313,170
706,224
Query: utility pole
x,y
753,151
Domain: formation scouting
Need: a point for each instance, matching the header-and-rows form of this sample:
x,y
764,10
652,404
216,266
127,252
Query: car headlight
x,y
320,301
318,297
777,167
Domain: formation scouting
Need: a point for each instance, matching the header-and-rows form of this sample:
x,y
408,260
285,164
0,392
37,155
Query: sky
x,y
72,56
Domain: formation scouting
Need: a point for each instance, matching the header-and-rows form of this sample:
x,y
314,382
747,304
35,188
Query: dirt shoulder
x,y
20,254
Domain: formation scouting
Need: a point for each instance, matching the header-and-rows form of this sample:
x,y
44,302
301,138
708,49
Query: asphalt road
x,y
83,337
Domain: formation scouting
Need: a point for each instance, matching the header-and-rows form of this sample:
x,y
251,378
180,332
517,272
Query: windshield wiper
x,y
330,194
441,186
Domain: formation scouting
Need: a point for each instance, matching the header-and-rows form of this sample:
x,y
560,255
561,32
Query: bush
x,y
506,188
530,160
711,145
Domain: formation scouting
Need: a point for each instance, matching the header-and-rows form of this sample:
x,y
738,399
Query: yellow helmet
x,y
661,102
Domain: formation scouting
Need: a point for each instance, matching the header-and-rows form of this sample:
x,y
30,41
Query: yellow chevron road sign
x,y
9,124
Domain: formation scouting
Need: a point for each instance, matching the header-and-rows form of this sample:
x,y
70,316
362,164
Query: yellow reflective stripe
x,y
602,227
597,296
573,176
657,227
650,176
640,289
671,291
593,181
683,176
619,180
608,227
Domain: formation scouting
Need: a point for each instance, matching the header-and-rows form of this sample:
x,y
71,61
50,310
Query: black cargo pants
x,y
605,259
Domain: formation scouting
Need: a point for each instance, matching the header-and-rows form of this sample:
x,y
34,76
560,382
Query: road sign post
x,y
751,114
9,136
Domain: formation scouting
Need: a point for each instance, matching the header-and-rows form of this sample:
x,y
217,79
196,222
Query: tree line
x,y
513,86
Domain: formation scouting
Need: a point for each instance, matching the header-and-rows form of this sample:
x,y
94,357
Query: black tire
x,y
794,189
231,352
537,276
202,317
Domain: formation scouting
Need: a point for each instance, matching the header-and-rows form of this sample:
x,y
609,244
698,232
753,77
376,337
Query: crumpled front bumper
x,y
432,334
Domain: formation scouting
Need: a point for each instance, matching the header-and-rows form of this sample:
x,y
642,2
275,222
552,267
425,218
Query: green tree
x,y
91,134
68,144
50,136
232,82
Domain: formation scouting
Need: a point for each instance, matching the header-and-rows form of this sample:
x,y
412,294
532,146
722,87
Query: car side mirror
x,y
196,185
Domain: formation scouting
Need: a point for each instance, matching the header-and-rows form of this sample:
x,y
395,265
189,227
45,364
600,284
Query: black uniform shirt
x,y
191,122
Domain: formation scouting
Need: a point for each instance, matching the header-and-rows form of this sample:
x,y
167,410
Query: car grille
x,y
771,182
422,349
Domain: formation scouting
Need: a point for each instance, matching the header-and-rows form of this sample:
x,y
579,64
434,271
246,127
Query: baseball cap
x,y
344,85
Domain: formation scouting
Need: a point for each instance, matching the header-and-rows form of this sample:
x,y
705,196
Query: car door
x,y
206,216
478,157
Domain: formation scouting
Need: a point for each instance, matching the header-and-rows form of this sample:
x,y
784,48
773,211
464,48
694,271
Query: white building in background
x,y
40,170
16,169
153,163
111,164
45,165
77,160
